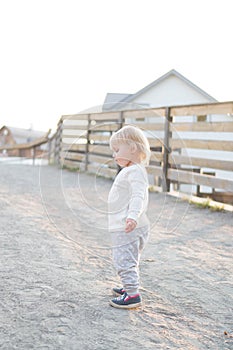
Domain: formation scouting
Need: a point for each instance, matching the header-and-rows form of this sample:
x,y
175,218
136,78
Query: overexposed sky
x,y
62,56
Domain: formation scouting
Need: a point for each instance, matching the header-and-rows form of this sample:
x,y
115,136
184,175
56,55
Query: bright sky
x,y
62,56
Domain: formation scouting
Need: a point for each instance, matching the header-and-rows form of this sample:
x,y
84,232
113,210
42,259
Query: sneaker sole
x,y
130,306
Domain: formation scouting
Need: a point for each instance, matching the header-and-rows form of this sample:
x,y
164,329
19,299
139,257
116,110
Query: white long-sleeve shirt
x,y
128,198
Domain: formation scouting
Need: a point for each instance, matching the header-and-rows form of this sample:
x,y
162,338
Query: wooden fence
x,y
29,149
191,145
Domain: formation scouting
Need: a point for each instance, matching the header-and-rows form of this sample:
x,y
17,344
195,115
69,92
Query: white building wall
x,y
171,91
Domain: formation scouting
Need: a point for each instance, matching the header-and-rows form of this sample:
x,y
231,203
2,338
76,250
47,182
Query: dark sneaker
x,y
118,291
126,302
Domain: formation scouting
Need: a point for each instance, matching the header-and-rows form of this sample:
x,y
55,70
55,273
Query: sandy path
x,y
56,271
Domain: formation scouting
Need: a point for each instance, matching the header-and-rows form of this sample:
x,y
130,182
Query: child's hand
x,y
130,225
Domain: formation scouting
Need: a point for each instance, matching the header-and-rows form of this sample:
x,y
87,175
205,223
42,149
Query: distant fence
x,y
27,150
191,145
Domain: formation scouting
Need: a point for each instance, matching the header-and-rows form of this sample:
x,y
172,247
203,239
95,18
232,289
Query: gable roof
x,y
130,97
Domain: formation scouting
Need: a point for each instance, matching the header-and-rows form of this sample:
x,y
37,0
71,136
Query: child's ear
x,y
133,147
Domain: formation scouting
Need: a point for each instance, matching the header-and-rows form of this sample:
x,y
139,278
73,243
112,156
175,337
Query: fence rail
x,y
191,145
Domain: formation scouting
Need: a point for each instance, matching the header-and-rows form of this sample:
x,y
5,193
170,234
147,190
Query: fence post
x,y
88,142
49,150
33,155
166,151
58,142
121,119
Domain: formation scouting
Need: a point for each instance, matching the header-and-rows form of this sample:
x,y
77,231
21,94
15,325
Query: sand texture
x,y
56,270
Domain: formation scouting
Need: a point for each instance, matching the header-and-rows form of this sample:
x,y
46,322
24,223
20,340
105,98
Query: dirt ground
x,y
56,270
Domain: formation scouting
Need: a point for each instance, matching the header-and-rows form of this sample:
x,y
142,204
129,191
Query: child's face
x,y
122,154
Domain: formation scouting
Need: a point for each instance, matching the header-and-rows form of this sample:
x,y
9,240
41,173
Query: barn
x,y
11,136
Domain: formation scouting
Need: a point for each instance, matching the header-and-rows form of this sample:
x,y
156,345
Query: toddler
x,y
128,222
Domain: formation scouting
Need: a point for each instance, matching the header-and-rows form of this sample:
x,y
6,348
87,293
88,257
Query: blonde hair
x,y
131,134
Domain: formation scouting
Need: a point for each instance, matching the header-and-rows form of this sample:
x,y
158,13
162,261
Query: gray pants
x,y
127,248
